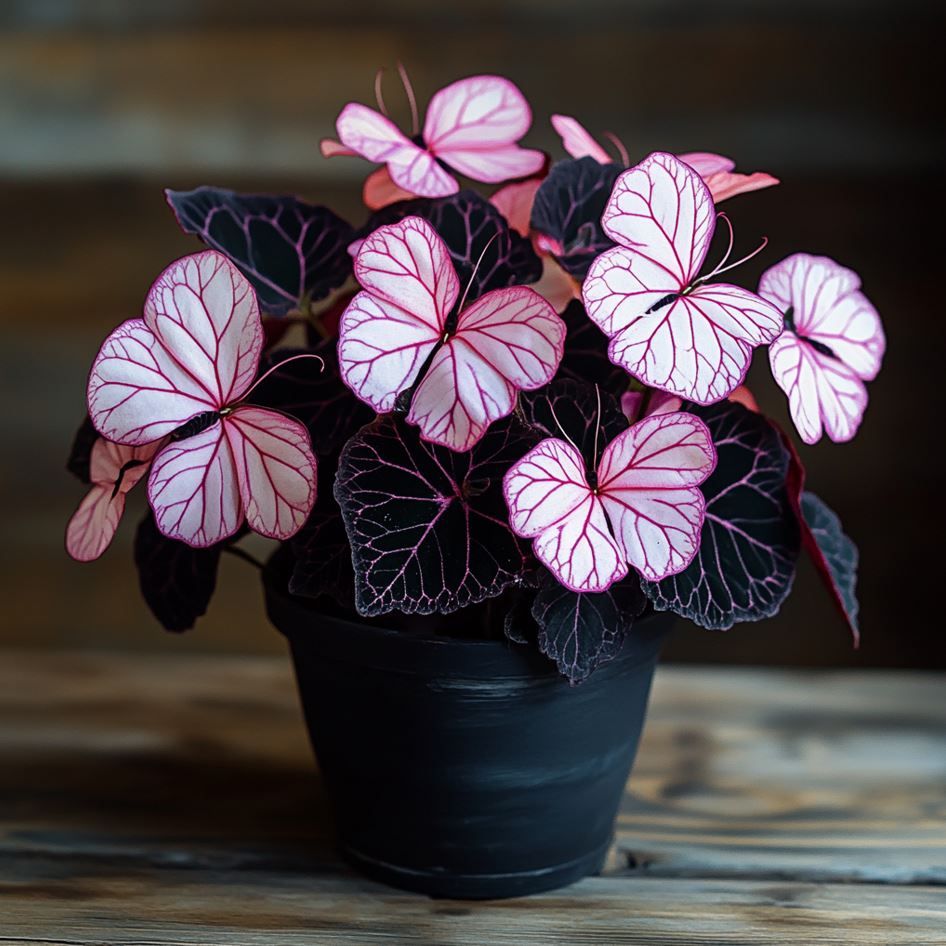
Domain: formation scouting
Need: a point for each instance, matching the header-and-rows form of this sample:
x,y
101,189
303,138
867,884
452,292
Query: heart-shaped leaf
x,y
568,208
292,252
429,527
471,227
177,581
316,396
834,554
569,409
744,568
582,631
80,454
586,352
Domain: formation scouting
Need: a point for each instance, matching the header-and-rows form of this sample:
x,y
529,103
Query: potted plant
x,y
508,446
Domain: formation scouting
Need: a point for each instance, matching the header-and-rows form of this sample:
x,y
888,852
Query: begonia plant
x,y
525,403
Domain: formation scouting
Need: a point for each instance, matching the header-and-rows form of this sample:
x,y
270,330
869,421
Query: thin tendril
x,y
379,98
622,151
597,426
285,361
409,89
475,270
722,262
561,428
724,269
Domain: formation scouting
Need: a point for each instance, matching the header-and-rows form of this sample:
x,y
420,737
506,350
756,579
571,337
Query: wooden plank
x,y
203,761
251,908
172,800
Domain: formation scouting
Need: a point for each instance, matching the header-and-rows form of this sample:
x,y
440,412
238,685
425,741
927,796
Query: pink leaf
x,y
507,340
706,163
335,149
645,510
138,392
666,327
381,349
832,343
406,264
725,185
193,489
647,481
514,202
275,468
577,141
657,402
380,190
204,312
550,502
378,139
474,125
113,469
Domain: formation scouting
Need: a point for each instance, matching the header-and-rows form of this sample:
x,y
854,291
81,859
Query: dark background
x,y
102,104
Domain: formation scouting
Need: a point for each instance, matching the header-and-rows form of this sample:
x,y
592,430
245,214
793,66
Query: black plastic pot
x,y
465,768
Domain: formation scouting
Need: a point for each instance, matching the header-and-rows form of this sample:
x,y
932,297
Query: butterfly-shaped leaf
x,y
428,527
582,631
406,338
184,371
469,225
668,326
832,343
318,398
176,580
567,211
292,252
472,127
745,564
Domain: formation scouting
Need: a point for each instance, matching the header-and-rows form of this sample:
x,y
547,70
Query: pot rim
x,y
297,619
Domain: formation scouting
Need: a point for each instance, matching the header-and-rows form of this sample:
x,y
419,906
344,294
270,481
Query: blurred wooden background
x,y
104,102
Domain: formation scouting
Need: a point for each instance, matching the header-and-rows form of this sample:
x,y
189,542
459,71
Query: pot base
x,y
447,885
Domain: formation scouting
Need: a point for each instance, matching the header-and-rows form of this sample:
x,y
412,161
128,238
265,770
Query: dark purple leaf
x,y
574,405
582,631
467,222
586,352
518,625
321,551
568,208
177,581
429,528
840,575
316,397
292,252
80,454
750,541
834,553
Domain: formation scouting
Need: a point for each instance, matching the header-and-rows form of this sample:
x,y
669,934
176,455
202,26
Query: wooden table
x,y
173,800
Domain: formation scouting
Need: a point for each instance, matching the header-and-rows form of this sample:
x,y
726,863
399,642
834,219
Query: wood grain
x,y
172,800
